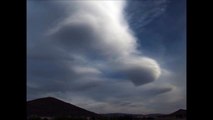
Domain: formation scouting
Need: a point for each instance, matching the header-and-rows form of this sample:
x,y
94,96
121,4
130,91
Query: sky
x,y
109,56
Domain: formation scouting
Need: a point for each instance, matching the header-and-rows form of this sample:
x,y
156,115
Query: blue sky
x,y
165,34
108,56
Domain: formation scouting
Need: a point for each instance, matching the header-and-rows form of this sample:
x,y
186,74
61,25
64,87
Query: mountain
x,y
52,107
179,113
154,115
119,114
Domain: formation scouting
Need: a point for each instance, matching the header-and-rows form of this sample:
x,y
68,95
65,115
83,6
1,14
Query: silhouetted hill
x,y
155,115
179,112
119,114
52,107
177,115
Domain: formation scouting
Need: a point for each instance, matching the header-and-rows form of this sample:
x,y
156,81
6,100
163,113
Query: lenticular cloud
x,y
98,31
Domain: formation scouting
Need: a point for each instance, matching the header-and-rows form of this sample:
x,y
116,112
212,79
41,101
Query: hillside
x,y
52,107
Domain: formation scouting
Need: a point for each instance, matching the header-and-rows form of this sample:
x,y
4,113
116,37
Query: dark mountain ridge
x,y
52,107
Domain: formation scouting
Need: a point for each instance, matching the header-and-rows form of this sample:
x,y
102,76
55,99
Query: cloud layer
x,y
98,30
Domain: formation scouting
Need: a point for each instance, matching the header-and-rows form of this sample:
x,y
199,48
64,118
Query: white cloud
x,y
99,28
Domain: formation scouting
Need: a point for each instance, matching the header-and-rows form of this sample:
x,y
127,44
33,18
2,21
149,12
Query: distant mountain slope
x,y
119,114
179,112
53,107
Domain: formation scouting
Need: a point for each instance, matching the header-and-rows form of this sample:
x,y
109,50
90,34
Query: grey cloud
x,y
42,15
139,69
111,90
138,75
158,91
76,38
132,99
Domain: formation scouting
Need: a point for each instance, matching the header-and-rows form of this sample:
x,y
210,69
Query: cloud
x,y
107,37
95,30
149,11
139,69
89,41
119,96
